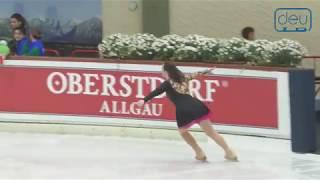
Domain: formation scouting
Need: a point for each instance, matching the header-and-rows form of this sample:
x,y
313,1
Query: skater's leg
x,y
186,135
206,126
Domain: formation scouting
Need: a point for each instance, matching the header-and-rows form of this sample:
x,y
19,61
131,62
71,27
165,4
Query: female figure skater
x,y
189,110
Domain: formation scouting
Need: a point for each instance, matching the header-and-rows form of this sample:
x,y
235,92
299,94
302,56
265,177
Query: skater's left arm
x,y
161,89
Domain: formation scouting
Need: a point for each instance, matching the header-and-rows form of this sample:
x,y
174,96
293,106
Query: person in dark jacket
x,y
17,21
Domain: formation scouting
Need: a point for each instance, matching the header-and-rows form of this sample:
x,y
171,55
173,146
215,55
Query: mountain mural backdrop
x,y
70,21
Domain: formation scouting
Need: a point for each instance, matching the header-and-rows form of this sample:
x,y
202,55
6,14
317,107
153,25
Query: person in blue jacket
x,y
36,47
21,40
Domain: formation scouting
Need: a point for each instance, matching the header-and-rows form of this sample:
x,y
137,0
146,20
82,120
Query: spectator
x,y
21,40
101,50
17,21
248,33
36,47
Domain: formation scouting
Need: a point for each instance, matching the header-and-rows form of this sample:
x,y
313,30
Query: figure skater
x,y
189,110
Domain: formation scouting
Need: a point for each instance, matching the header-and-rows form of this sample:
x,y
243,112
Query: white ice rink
x,y
45,156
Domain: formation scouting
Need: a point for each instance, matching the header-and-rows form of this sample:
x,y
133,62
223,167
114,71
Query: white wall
x,y
226,18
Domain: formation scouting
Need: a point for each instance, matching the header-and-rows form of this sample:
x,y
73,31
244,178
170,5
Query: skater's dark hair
x,y
174,73
19,18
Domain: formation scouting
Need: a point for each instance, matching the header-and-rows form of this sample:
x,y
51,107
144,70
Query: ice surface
x,y
50,156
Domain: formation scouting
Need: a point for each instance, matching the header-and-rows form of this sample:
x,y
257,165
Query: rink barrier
x,y
303,122
247,100
95,130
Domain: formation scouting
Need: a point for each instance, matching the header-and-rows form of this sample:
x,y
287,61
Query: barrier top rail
x,y
154,62
312,57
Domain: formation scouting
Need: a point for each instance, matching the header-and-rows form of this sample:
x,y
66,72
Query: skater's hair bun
x,y
174,73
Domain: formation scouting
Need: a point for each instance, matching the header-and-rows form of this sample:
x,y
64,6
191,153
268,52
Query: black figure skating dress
x,y
189,110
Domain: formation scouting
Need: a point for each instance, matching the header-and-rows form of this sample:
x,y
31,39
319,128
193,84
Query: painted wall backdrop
x,y
71,21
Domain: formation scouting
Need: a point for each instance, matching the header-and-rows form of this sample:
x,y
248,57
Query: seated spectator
x,y
21,40
16,21
248,33
36,47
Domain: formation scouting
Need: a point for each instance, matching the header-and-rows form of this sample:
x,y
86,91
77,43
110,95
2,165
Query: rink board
x,y
243,101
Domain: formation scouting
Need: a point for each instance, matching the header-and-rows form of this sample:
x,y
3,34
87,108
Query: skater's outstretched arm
x,y
161,89
197,74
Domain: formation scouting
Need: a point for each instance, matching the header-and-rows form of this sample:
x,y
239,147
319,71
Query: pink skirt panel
x,y
197,121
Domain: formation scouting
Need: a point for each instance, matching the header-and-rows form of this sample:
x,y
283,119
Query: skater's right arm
x,y
161,89
197,74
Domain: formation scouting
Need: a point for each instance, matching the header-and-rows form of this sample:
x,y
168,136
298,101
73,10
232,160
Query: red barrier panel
x,y
243,101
